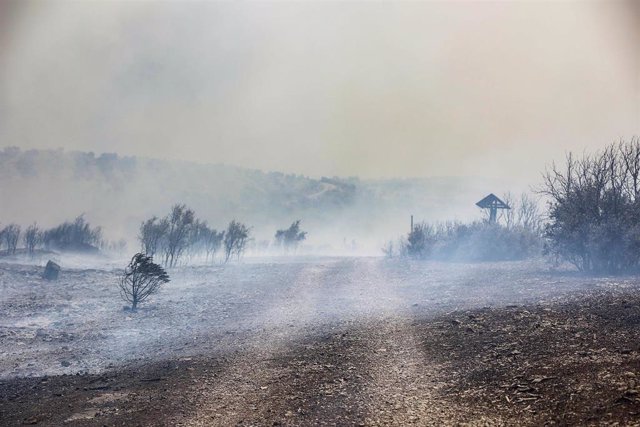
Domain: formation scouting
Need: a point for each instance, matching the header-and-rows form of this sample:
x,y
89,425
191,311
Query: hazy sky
x,y
374,89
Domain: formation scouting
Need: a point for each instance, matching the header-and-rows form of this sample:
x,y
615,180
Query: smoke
x,y
484,93
118,193
370,89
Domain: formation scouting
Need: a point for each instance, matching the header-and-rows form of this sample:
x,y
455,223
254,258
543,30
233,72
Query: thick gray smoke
x,y
487,93
350,89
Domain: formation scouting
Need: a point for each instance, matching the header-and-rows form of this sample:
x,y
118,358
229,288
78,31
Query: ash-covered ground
x,y
333,341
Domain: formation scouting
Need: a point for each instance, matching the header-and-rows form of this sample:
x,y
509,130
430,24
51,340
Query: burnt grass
x,y
574,362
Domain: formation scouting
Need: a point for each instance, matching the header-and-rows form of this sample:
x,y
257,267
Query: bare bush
x,y
181,220
32,238
141,279
180,236
152,233
73,236
212,243
235,239
528,215
290,238
420,241
476,241
594,209
388,249
11,236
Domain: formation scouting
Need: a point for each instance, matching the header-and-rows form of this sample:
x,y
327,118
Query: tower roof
x,y
492,201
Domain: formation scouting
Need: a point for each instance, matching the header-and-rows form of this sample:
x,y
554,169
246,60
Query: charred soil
x,y
322,342
573,362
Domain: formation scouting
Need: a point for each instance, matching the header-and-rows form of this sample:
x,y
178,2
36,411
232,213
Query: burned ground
x,y
328,342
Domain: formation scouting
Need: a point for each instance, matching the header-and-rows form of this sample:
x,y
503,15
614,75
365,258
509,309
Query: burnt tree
x,y
141,279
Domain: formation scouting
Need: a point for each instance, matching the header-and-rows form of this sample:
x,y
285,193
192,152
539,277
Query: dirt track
x,y
363,341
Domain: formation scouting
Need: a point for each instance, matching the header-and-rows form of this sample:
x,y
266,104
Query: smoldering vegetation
x,y
594,209
584,213
516,235
71,236
346,321
590,219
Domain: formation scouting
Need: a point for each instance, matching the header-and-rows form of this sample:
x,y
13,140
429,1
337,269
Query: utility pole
x,y
411,224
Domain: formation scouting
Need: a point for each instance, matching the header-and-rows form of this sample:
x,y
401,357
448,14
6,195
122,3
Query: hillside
x,y
118,192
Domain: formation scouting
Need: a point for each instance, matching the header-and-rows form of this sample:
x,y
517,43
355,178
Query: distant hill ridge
x,y
118,192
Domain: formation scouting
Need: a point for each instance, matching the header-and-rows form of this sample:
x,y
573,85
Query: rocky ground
x,y
480,345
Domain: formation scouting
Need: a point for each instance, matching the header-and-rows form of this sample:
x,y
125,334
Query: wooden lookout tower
x,y
493,203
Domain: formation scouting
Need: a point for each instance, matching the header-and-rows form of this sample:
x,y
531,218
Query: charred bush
x,y
77,236
180,236
152,234
420,241
235,239
289,239
516,236
32,238
180,223
485,241
212,242
11,235
141,279
594,209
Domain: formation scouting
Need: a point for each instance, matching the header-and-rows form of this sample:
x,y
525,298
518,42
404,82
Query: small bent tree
x,y
235,239
291,237
141,279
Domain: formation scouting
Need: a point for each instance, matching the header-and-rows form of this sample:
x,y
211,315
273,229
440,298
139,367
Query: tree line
x,y
77,235
181,235
594,209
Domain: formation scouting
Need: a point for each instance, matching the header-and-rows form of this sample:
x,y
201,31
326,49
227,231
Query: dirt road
x,y
346,341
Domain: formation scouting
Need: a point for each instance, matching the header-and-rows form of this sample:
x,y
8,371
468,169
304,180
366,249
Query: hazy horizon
x,y
374,90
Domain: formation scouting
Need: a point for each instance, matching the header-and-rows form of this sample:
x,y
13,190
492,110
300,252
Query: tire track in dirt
x,y
405,387
269,384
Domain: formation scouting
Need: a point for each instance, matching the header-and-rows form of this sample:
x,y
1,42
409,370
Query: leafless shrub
x,y
476,241
594,209
212,243
388,249
73,236
11,236
152,233
180,236
420,241
180,221
32,238
235,239
291,237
